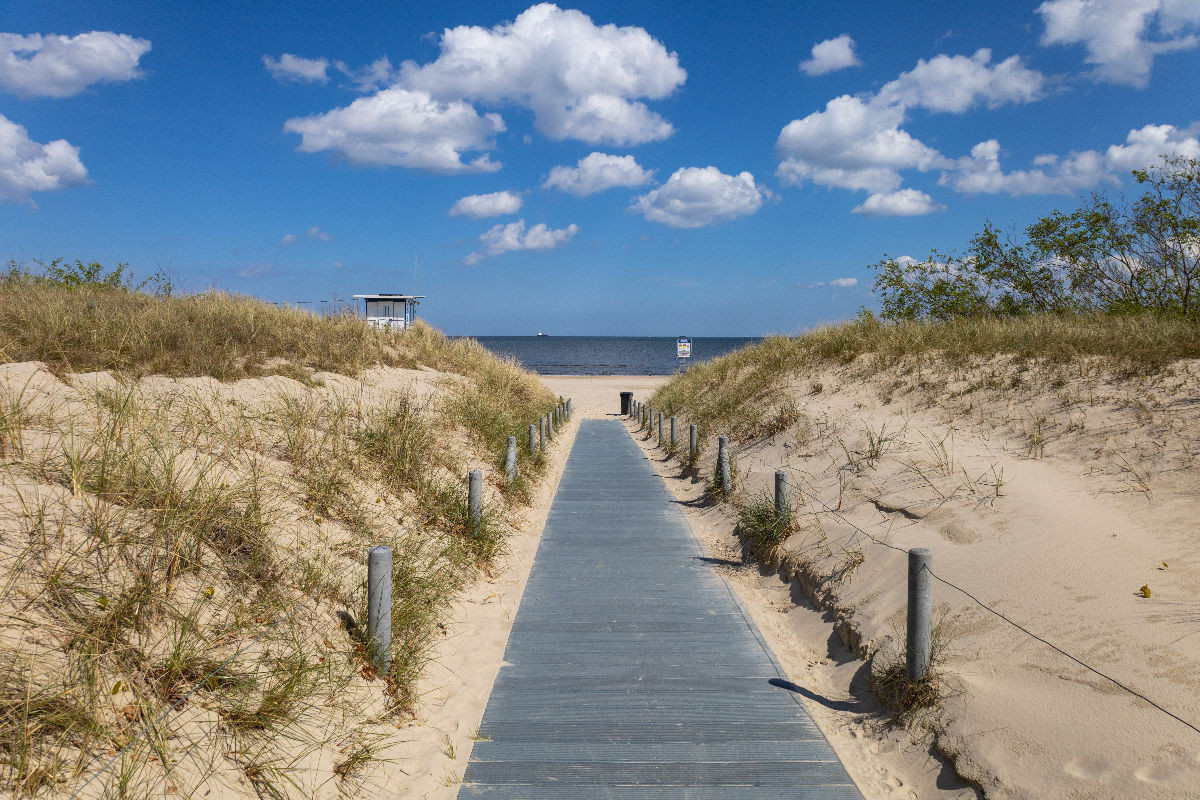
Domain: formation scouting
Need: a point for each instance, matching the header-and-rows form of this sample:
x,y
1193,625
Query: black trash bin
x,y
626,403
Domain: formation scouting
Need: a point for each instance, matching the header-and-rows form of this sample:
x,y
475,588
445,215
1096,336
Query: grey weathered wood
x,y
510,460
533,441
475,500
379,606
723,464
672,434
631,671
783,504
920,607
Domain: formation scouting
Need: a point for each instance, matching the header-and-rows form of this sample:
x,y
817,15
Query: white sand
x,y
1052,500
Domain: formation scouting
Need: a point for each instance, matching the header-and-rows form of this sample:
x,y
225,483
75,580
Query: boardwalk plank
x,y
632,671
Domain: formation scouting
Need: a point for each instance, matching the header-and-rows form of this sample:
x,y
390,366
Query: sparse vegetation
x,y
910,701
761,527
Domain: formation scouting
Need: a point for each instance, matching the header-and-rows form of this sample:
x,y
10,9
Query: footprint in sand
x,y
1086,768
958,533
1176,770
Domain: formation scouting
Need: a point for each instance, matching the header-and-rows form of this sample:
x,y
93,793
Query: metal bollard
x,y
672,433
379,607
510,459
920,607
693,443
475,501
723,463
533,441
783,506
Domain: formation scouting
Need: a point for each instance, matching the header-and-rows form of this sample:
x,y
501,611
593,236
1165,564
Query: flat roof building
x,y
389,310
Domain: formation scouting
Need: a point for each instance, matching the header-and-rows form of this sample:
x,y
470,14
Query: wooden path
x,y
632,671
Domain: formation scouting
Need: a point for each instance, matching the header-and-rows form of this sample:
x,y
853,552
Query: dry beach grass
x,y
191,551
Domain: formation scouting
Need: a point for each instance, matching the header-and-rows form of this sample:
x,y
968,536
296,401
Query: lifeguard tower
x,y
391,310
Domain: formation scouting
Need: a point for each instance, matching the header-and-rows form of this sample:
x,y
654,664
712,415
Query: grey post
x,y
723,462
650,430
693,443
568,408
672,433
550,426
542,431
920,605
533,441
475,501
660,436
783,505
379,607
510,459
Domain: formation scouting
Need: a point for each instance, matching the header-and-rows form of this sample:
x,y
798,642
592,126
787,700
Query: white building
x,y
391,310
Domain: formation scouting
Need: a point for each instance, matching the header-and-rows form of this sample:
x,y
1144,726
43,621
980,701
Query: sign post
x,y
683,349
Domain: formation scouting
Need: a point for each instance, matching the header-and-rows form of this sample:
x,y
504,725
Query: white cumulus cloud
x,y
954,84
376,75
698,196
901,203
981,172
858,142
61,66
405,128
831,55
1122,37
514,236
844,283
495,204
27,166
582,81
297,69
597,172
852,144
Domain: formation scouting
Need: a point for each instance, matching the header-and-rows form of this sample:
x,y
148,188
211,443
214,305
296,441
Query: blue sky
x,y
600,168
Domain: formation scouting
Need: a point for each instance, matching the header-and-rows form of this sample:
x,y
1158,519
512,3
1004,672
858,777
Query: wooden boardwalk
x,y
632,671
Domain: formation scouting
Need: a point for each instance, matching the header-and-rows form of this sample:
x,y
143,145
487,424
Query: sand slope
x,y
1052,495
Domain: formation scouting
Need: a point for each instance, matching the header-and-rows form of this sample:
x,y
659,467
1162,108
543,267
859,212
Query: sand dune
x,y
1052,498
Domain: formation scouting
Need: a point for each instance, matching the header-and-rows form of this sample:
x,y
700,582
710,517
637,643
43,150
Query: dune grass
x,y
742,392
149,535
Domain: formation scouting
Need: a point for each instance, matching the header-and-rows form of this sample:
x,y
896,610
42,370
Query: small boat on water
x,y
542,334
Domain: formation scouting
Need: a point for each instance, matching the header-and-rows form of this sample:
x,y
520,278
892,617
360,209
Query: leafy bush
x,y
1102,257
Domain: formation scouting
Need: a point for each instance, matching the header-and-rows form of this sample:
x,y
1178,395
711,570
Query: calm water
x,y
607,355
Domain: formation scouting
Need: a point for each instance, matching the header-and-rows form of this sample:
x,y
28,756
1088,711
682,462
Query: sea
x,y
609,355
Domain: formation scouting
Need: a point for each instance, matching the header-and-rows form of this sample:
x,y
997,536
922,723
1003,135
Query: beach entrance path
x,y
632,671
